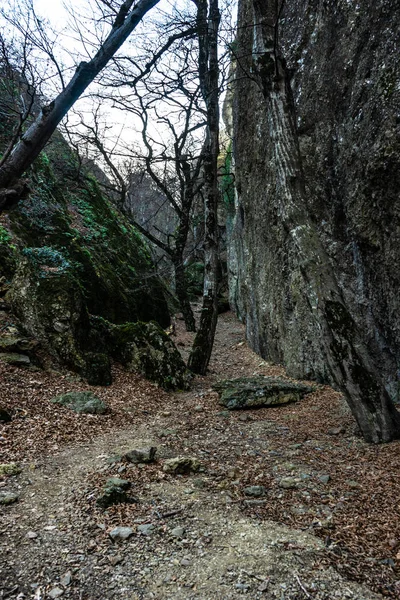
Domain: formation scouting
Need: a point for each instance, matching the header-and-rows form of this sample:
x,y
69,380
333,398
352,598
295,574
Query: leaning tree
x,y
123,18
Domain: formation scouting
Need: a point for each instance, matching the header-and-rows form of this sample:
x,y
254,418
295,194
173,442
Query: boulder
x,y
81,402
121,533
255,392
12,358
8,498
181,465
141,455
5,416
10,469
147,349
255,491
114,492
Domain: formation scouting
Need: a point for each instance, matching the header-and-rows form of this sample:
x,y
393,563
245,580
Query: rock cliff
x,y
73,272
342,61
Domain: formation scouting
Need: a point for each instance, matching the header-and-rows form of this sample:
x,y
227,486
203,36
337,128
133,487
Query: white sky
x,y
54,11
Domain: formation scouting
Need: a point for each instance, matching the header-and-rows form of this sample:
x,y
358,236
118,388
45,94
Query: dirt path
x,y
205,538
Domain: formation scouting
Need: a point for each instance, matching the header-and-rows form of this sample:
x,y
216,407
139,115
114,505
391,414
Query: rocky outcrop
x,y
345,80
73,268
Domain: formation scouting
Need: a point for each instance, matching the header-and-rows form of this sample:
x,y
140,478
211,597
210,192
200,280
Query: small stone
x,y
198,483
255,490
114,492
10,469
123,484
336,430
244,417
115,560
255,502
178,532
146,529
199,408
141,455
8,498
121,533
353,484
31,535
225,414
186,562
289,482
263,587
5,416
243,587
166,433
66,579
324,478
55,592
181,465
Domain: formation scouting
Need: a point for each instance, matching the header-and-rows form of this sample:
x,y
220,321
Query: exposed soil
x,y
335,533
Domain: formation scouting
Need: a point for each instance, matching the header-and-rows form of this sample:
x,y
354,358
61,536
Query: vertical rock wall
x,y
346,87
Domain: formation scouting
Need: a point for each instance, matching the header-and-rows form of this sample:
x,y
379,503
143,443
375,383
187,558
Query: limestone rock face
x,y
343,57
67,258
146,348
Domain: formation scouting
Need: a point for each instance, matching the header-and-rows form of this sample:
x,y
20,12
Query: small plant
x,y
5,235
47,257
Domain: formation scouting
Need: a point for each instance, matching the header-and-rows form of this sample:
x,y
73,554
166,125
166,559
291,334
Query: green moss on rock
x,y
146,348
256,392
82,402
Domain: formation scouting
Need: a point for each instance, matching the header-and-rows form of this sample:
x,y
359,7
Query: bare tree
x,y
208,19
168,104
125,18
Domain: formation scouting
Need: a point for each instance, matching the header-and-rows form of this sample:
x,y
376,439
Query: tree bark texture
x,y
208,25
39,133
349,358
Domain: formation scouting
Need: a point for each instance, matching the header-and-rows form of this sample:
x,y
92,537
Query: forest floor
x,y
328,526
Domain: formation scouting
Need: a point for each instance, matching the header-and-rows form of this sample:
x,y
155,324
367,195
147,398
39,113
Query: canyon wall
x,y
342,58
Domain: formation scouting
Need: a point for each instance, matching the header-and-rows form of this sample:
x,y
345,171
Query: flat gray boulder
x,y
17,360
255,392
141,455
82,402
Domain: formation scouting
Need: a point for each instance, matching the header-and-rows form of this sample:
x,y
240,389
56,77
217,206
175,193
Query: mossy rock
x,y
8,498
82,402
5,416
114,492
147,349
69,254
17,360
257,392
10,469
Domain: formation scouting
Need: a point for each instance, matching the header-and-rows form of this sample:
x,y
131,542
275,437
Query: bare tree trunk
x,y
348,357
208,72
38,134
182,295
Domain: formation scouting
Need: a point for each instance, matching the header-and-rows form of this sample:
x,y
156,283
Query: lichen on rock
x,y
256,392
146,348
82,402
